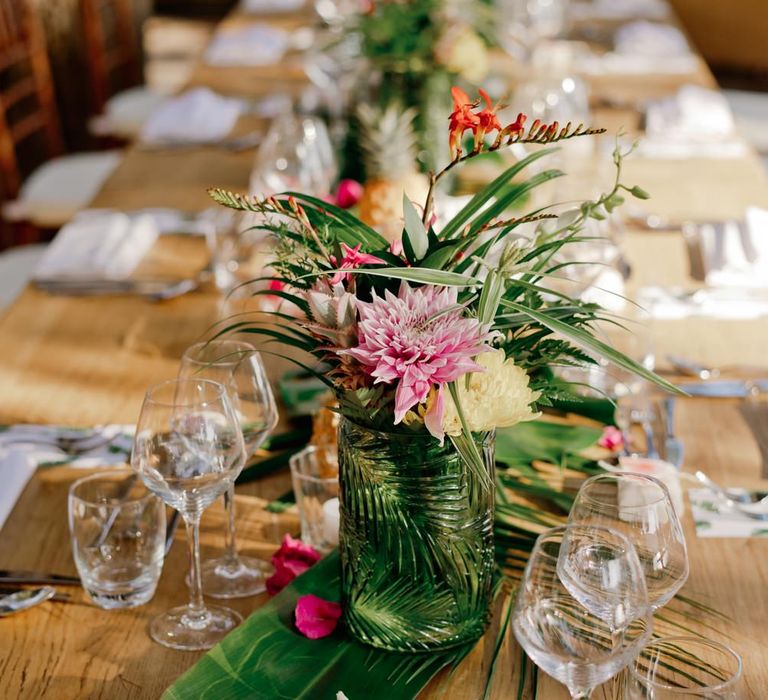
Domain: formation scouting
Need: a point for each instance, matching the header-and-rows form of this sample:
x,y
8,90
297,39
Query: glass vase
x,y
416,539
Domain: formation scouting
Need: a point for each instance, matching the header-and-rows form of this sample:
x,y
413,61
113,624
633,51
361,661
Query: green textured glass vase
x,y
416,540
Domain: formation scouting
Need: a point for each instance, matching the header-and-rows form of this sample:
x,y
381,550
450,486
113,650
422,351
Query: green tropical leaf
x,y
415,234
588,341
422,276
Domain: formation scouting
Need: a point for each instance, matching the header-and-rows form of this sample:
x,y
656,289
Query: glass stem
x,y
197,612
580,694
230,547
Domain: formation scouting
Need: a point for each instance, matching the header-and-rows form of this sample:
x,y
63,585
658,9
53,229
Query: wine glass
x,y
296,155
582,645
188,449
640,507
236,365
675,668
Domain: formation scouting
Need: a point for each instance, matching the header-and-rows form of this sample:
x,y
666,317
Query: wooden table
x,y
85,361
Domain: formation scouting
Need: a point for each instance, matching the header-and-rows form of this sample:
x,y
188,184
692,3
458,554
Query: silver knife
x,y
42,577
724,389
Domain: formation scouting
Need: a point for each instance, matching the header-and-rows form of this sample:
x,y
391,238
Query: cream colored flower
x,y
496,398
462,51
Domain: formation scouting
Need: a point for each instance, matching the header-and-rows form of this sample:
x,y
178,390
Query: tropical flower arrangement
x,y
451,331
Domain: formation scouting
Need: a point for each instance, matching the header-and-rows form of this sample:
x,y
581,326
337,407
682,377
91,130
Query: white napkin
x,y
714,519
737,255
254,45
695,122
24,448
733,304
265,7
644,48
16,469
196,116
98,244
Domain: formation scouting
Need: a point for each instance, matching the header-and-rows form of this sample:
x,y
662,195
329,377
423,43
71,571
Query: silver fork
x,y
71,446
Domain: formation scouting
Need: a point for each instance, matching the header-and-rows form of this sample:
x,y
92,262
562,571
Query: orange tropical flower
x,y
462,118
488,122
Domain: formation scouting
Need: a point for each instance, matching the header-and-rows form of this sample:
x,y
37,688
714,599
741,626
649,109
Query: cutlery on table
x,y
37,577
72,446
750,504
24,599
692,368
154,289
673,445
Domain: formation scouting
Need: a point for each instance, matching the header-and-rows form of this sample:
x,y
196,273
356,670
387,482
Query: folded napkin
x,y
715,519
733,304
737,255
24,448
254,45
694,122
265,7
98,244
196,116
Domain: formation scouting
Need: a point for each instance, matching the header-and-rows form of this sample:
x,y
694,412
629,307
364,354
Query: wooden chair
x,y
27,103
47,188
112,48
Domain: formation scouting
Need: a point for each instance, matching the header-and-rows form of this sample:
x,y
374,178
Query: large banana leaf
x,y
266,658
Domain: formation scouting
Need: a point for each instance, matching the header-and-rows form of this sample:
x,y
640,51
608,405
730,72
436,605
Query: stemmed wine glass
x,y
236,365
188,449
640,507
585,639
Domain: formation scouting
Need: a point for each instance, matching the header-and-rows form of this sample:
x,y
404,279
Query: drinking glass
x,y
316,485
582,640
118,538
640,507
188,449
522,23
296,155
238,367
675,668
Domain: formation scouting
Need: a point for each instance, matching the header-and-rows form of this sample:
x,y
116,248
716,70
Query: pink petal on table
x,y
315,617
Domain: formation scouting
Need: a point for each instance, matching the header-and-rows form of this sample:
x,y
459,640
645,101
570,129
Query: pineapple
x,y
388,145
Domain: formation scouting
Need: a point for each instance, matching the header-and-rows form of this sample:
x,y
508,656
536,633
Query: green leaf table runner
x,y
266,658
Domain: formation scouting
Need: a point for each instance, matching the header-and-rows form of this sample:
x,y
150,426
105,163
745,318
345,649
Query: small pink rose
x,y
315,617
348,193
611,439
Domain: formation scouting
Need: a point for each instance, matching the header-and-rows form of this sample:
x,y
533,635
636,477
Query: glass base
x,y
178,629
243,577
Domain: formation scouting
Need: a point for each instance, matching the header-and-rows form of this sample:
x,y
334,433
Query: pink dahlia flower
x,y
419,339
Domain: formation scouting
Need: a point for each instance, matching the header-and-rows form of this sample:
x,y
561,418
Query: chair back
x,y
112,47
29,122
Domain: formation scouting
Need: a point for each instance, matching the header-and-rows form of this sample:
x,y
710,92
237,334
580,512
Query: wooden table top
x,y
86,361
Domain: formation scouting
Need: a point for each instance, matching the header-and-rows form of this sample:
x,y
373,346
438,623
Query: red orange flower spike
x,y
462,118
488,122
